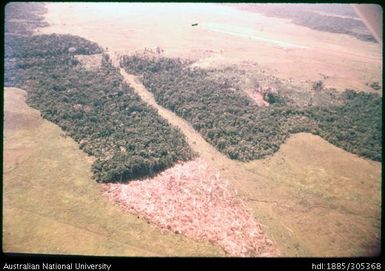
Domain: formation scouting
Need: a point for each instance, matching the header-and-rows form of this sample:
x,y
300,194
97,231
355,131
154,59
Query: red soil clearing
x,y
191,199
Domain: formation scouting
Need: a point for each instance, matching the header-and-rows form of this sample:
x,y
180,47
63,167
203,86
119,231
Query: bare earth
x,y
192,199
313,199
51,205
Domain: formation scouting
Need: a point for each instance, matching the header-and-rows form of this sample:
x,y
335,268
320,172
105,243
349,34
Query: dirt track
x,y
283,205
313,198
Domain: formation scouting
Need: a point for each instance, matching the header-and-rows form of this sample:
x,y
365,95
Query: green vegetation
x,y
49,200
355,126
375,86
23,18
130,140
323,17
95,107
318,85
243,131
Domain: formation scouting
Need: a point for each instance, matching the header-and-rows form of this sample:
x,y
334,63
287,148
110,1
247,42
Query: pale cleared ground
x,y
223,36
313,198
51,205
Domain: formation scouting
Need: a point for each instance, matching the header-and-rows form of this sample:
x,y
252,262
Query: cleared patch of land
x,y
50,203
90,62
192,199
313,198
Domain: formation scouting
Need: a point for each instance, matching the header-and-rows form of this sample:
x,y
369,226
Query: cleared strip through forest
x,y
206,151
195,140
248,184
263,195
236,127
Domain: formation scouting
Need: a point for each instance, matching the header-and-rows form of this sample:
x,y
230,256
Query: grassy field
x,y
51,205
328,198
313,198
345,61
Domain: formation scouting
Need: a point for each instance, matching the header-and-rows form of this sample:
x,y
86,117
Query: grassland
x,y
345,61
326,197
50,204
313,198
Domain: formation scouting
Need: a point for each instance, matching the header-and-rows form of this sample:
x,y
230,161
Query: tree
x,y
318,85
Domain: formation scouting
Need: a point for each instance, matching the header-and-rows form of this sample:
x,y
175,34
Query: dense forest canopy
x,y
23,18
129,139
243,131
93,106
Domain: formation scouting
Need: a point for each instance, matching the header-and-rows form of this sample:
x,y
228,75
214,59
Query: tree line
x,y
93,106
23,18
241,130
322,17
